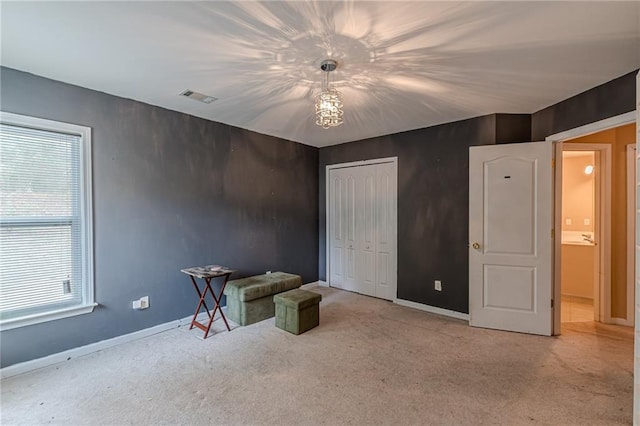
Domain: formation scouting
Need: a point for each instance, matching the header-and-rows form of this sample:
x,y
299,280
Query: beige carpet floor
x,y
369,362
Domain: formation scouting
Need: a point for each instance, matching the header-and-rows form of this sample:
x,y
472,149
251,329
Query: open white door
x,y
510,237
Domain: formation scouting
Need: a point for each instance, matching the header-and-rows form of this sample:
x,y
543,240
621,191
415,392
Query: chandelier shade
x,y
329,111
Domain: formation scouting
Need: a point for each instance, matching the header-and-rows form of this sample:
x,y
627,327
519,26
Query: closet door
x,y
367,230
342,221
385,249
362,229
350,208
337,199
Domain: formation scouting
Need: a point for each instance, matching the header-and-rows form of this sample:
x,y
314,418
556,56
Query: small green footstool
x,y
297,310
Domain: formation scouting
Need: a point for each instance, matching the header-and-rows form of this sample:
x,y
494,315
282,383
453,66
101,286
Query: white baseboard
x,y
314,284
432,309
27,366
621,321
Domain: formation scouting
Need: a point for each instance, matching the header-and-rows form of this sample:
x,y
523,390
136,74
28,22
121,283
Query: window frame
x,y
87,303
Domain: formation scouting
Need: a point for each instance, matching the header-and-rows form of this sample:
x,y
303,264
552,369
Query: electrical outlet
x,y
142,303
438,285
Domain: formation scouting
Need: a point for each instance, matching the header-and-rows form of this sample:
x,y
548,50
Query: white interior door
x,y
336,232
342,232
510,237
367,230
386,258
352,180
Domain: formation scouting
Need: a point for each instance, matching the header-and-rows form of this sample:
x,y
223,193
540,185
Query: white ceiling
x,y
402,65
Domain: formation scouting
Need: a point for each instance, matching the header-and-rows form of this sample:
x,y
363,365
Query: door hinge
x,y
552,303
553,232
553,163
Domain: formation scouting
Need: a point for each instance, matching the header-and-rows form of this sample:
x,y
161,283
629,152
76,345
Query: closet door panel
x,y
367,231
337,230
385,249
351,232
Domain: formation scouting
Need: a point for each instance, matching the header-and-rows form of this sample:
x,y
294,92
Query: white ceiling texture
x,y
401,65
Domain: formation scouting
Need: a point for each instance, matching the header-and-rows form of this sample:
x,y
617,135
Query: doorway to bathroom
x,y
596,231
581,235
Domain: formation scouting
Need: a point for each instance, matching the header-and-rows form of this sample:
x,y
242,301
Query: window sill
x,y
10,324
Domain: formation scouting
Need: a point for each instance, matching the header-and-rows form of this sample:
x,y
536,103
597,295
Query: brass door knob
x,y
476,246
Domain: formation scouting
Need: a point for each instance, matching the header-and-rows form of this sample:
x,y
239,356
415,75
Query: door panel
x,y
510,287
368,231
386,244
336,231
351,243
510,239
509,181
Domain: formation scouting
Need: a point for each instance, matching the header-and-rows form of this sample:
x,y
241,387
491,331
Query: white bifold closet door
x,y
362,203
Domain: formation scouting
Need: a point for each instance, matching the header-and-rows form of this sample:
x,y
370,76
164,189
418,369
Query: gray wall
x,y
613,98
170,191
433,197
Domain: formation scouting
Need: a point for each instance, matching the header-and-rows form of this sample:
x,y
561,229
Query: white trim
x,y
432,309
631,225
362,163
86,218
314,284
23,321
557,237
595,127
27,366
327,186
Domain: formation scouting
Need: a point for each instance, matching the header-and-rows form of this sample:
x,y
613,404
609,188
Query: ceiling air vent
x,y
198,96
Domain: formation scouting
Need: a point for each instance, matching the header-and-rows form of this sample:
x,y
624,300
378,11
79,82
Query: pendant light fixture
x,y
329,101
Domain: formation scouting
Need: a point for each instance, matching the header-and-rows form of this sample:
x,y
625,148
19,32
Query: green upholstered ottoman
x,y
249,300
297,310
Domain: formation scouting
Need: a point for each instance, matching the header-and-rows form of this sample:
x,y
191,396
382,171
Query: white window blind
x,y
43,256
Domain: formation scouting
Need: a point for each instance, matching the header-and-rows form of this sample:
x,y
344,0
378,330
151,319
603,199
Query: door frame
x,y
602,227
631,224
327,210
558,138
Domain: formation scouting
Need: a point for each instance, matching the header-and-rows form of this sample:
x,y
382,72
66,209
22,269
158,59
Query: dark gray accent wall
x,y
513,128
170,191
433,201
613,98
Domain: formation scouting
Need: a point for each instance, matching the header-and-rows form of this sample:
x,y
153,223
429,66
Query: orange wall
x,y
577,194
618,138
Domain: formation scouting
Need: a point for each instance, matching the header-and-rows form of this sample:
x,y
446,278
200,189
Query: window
x,y
46,250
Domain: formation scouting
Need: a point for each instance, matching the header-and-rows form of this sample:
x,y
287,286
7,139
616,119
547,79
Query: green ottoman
x,y
297,310
250,300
